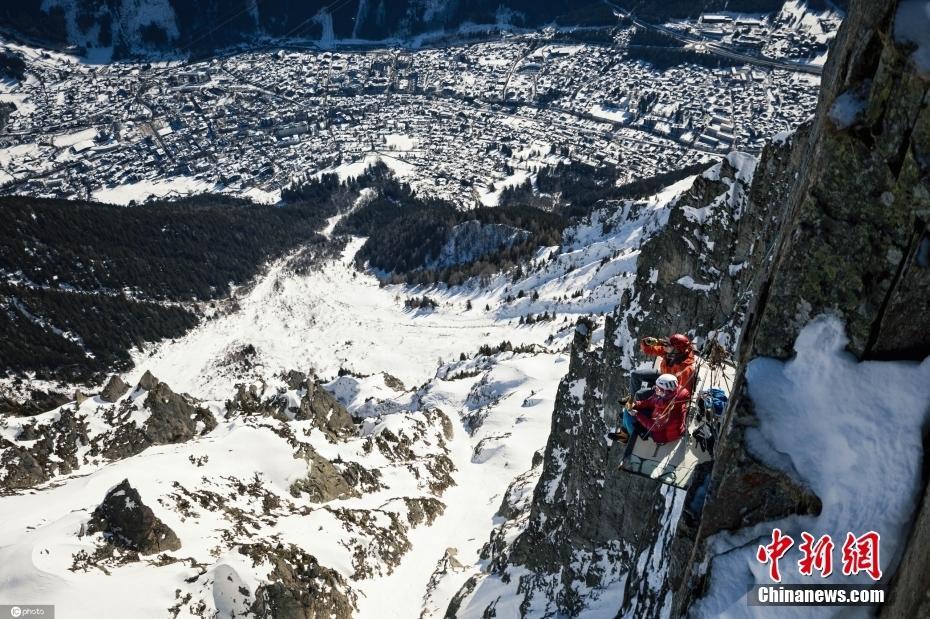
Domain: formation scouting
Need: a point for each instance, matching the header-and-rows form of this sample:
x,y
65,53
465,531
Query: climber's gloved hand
x,y
650,341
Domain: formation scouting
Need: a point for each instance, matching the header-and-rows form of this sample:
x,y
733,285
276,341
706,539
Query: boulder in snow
x,y
114,389
128,523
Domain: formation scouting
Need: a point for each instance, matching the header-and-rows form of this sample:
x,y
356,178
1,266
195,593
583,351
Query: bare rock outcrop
x,y
299,587
114,389
53,452
313,402
126,522
64,442
173,418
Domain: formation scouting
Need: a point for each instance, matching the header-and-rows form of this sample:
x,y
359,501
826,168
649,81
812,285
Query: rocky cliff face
x,y
592,537
694,277
855,240
853,244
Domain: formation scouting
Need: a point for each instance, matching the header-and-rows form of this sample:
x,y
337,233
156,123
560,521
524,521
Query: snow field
x,y
326,319
338,317
486,462
40,539
333,317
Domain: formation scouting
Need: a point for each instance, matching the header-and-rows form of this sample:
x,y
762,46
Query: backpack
x,y
715,399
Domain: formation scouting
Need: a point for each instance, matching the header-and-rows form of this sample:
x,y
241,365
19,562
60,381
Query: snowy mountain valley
x,y
354,334
388,476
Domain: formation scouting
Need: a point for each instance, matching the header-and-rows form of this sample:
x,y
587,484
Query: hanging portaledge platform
x,y
674,463
670,463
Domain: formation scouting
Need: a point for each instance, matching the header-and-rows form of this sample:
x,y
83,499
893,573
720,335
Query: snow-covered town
x,y
460,122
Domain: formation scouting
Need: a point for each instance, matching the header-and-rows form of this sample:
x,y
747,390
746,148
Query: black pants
x,y
638,377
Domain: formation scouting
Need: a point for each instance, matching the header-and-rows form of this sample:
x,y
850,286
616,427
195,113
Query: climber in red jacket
x,y
676,356
663,414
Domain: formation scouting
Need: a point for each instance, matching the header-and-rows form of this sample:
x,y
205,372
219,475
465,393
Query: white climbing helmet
x,y
667,382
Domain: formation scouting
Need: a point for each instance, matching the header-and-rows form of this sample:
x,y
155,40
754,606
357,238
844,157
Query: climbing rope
x,y
661,416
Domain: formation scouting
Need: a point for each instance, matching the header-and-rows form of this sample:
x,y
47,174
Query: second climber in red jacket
x,y
663,414
676,356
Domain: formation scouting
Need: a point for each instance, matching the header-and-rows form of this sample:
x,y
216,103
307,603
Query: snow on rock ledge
x,y
852,432
912,26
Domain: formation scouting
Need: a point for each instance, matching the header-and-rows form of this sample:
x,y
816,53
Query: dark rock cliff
x,y
853,244
590,534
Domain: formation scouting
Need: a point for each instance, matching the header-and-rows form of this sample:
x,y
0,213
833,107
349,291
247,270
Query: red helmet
x,y
680,342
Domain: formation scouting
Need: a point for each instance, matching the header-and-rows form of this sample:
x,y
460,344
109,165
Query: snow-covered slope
x,y
426,484
335,317
868,483
386,476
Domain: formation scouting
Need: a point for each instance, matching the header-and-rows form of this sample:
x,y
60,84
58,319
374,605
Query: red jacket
x,y
664,417
682,368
